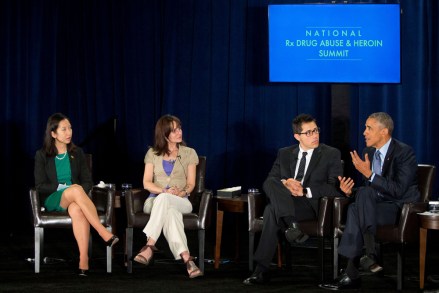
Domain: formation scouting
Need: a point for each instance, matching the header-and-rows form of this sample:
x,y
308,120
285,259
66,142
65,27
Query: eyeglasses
x,y
310,132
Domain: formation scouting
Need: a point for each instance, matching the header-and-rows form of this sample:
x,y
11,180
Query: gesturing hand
x,y
362,166
346,185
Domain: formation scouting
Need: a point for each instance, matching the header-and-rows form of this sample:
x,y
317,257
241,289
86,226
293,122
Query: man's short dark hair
x,y
299,120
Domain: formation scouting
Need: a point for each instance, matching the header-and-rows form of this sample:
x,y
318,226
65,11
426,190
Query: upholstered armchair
x,y
321,228
103,199
256,205
198,220
405,231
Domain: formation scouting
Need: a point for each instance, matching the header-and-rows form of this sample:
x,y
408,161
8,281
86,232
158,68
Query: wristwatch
x,y
305,192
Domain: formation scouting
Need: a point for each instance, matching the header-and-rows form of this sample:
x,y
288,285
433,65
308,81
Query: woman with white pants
x,y
169,177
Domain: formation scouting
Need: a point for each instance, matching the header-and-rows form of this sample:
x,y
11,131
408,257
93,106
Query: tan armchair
x,y
406,230
101,197
199,219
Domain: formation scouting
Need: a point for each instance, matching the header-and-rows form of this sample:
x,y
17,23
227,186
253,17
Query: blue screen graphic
x,y
336,43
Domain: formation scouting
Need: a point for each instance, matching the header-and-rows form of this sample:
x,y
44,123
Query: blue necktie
x,y
377,163
301,170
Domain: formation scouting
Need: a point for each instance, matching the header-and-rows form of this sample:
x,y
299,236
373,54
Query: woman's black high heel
x,y
82,273
113,240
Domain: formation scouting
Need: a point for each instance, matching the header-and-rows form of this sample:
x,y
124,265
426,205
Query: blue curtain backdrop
x,y
414,102
114,67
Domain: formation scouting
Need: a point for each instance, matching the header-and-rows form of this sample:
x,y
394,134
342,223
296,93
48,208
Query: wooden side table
x,y
427,221
227,204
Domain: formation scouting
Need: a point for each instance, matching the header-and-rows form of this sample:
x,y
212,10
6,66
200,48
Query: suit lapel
x,y
316,155
294,161
388,157
52,169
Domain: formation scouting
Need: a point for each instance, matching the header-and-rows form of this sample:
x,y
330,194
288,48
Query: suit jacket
x,y
398,181
46,181
321,176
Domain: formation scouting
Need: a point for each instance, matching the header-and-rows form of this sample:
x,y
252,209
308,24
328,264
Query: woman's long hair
x,y
163,128
49,142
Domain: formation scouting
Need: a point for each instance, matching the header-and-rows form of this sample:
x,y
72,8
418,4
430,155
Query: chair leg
x,y
322,258
201,240
279,255
335,258
400,267
251,249
288,255
109,254
129,248
39,240
379,252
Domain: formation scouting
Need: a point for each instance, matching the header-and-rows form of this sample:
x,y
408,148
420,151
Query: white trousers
x,y
167,214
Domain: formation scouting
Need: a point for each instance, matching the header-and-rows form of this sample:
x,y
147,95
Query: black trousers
x,y
281,205
368,211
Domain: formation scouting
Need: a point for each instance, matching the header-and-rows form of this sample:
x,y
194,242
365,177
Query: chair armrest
x,y
134,200
36,206
340,214
203,211
103,199
256,205
409,221
325,222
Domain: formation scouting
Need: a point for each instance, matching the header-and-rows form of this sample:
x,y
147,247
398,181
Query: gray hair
x,y
384,119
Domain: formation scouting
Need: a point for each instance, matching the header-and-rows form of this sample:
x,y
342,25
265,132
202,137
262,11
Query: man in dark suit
x,y
389,171
301,174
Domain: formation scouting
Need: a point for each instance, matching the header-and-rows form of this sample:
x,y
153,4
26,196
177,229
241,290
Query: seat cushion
x,y
190,221
61,219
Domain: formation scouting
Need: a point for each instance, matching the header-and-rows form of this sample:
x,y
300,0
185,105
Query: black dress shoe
x,y
82,273
294,234
257,278
343,282
113,240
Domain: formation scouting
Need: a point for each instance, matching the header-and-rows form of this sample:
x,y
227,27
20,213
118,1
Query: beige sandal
x,y
192,269
143,260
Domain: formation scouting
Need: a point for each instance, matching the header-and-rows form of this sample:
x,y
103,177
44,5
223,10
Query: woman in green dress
x,y
63,181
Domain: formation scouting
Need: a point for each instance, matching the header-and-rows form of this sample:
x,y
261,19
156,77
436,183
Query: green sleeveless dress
x,y
64,176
